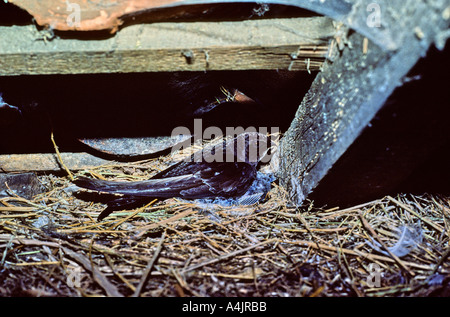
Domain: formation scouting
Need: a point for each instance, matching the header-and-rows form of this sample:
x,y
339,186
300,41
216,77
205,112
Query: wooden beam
x,y
48,162
347,94
294,44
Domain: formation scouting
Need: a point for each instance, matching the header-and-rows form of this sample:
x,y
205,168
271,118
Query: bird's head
x,y
248,147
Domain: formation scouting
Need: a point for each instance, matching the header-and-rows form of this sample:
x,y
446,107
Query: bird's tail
x,y
92,184
122,203
157,188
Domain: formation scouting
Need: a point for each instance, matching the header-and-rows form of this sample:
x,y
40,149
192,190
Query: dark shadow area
x,y
217,12
141,105
406,148
13,15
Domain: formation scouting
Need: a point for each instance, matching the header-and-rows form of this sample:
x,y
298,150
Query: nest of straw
x,y
53,245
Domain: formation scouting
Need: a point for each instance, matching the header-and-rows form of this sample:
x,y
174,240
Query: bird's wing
x,y
165,187
221,179
201,180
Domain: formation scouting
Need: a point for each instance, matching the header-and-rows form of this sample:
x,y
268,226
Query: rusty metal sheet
x,y
85,15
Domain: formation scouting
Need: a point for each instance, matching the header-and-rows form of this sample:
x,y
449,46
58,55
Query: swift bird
x,y
225,170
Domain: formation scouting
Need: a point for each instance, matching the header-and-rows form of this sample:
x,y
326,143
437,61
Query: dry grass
x,y
53,246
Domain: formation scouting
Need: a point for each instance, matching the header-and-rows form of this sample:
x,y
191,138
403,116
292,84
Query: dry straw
x,y
52,245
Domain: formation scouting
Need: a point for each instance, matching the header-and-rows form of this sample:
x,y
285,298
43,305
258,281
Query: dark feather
x,y
186,179
122,203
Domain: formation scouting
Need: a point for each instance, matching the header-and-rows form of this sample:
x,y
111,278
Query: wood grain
x,y
294,44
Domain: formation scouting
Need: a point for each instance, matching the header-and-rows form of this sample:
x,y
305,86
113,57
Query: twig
x,y
118,223
427,221
59,156
149,267
25,241
338,213
98,276
441,260
183,214
372,257
226,256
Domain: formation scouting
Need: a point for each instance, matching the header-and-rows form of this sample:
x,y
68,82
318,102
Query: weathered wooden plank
x,y
46,162
347,94
294,44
